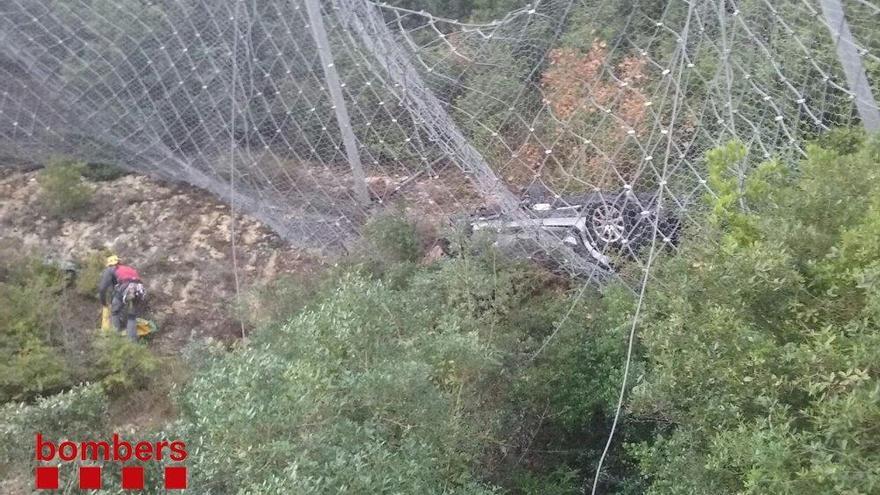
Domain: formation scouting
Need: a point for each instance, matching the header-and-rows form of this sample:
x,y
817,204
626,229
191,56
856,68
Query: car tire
x,y
606,224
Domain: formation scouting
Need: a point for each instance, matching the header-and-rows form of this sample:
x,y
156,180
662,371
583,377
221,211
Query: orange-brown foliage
x,y
577,87
575,83
566,83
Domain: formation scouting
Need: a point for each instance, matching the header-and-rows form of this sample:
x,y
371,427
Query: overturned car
x,y
599,226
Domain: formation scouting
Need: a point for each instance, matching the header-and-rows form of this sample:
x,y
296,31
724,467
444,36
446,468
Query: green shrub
x,y
29,305
88,277
762,345
122,365
392,238
102,172
334,402
79,413
33,368
370,389
559,482
578,376
406,379
62,191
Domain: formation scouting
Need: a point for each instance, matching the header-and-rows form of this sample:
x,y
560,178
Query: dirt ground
x,y
178,237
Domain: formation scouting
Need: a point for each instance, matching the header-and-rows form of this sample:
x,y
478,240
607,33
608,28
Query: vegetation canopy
x,y
457,247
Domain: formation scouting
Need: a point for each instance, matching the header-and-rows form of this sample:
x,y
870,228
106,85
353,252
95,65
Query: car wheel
x,y
606,224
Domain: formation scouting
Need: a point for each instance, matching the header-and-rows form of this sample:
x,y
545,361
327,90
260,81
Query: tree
x,y
761,349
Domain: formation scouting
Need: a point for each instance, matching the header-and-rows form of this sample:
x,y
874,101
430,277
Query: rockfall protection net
x,y
284,106
597,113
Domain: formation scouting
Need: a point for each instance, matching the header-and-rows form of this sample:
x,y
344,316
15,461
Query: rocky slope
x,y
178,237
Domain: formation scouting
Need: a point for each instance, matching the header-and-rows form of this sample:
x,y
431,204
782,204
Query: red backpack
x,y
126,273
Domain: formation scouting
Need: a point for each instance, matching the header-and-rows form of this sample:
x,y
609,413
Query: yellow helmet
x,y
112,260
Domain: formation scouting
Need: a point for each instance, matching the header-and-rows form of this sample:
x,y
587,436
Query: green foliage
x,y
79,413
62,191
572,387
122,365
342,398
475,10
578,377
372,388
762,354
33,297
279,299
393,238
390,249
29,364
101,172
726,189
88,276
484,108
559,482
843,140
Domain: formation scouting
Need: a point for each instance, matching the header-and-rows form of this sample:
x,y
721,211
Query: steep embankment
x,y
177,236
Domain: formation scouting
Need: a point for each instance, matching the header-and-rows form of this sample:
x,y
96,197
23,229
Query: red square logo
x,y
175,477
132,478
89,477
46,478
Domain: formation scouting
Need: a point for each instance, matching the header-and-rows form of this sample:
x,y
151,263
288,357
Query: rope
x,y
232,171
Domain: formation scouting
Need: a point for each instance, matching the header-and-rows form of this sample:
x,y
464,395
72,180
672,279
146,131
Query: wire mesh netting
x,y
577,128
581,125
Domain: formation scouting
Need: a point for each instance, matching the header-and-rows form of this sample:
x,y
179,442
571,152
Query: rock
x,y
434,255
379,187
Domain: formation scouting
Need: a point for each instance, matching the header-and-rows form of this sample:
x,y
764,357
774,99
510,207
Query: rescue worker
x,y
121,288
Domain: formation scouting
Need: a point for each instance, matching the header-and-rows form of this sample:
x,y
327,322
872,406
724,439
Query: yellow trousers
x,y
105,318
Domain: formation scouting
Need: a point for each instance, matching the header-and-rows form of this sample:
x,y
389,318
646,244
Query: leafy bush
x,y
392,238
88,276
102,172
390,248
122,365
570,391
62,191
342,398
578,376
79,413
29,364
559,482
762,347
371,389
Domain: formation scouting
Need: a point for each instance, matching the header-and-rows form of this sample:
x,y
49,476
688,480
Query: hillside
x,y
177,236
752,363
